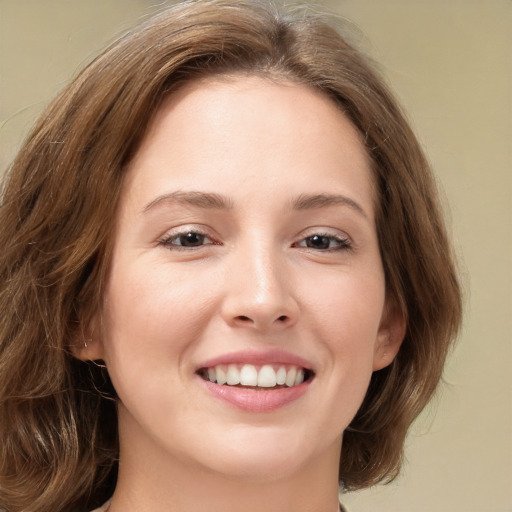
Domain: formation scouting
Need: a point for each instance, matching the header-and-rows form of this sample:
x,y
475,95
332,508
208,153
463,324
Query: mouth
x,y
256,377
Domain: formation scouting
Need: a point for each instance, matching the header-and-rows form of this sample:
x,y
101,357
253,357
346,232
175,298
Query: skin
x,y
256,282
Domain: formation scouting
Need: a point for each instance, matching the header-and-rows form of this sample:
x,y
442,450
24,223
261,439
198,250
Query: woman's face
x,y
245,248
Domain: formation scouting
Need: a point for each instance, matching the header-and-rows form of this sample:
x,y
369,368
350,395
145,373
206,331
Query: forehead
x,y
279,134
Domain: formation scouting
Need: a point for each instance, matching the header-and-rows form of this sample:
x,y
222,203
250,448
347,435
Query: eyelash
x,y
341,243
168,240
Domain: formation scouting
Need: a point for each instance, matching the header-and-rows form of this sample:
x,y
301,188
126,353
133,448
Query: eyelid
x,y
345,242
166,239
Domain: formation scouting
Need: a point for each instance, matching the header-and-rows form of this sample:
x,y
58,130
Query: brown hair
x,y
58,431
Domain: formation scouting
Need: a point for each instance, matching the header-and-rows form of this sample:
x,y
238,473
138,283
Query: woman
x,y
225,271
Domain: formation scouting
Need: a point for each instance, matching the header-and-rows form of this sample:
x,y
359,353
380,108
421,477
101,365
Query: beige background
x,y
450,64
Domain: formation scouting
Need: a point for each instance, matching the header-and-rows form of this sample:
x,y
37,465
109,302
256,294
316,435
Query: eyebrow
x,y
200,199
311,201
209,200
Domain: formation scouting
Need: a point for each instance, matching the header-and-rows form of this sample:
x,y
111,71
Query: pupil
x,y
318,242
191,239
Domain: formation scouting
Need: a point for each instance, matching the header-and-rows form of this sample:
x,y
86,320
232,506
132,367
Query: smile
x,y
256,381
264,376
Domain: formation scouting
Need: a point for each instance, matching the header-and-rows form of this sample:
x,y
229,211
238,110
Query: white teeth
x,y
290,376
221,375
233,375
266,377
281,376
248,375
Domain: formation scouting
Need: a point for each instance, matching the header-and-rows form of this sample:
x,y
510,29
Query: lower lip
x,y
256,400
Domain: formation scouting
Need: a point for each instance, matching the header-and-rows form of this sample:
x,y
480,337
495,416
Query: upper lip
x,y
257,358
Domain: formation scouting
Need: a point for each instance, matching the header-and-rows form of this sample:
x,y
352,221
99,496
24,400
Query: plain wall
x,y
450,65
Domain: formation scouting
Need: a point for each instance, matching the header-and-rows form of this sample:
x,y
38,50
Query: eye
x,y
324,242
186,240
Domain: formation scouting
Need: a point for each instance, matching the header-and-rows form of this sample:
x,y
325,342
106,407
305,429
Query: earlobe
x,y
86,340
389,338
86,343
88,349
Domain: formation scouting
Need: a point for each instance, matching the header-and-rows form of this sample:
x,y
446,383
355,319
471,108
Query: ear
x,y
389,337
87,344
90,349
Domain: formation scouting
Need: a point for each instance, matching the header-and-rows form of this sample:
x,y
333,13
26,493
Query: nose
x,y
259,292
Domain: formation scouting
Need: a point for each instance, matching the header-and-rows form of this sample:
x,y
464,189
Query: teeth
x,y
266,376
290,376
221,375
281,376
233,375
249,375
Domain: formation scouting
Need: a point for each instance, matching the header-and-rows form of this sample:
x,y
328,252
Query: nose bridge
x,y
259,292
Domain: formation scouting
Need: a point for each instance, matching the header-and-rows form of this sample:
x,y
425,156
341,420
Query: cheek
x,y
150,319
346,316
348,306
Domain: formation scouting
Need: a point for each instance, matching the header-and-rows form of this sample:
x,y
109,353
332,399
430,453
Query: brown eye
x,y
190,240
186,240
323,242
318,242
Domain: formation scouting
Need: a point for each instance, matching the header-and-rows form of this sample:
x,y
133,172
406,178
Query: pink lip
x,y
260,400
252,400
257,358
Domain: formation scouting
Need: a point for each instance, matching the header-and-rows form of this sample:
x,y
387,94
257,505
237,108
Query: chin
x,y
263,458
258,469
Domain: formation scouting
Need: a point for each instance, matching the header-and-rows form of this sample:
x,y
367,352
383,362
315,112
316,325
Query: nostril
x,y
244,320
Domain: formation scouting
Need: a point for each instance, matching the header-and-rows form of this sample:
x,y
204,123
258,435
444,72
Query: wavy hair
x,y
58,425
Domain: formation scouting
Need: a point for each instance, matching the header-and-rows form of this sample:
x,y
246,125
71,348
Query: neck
x,y
156,481
216,494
